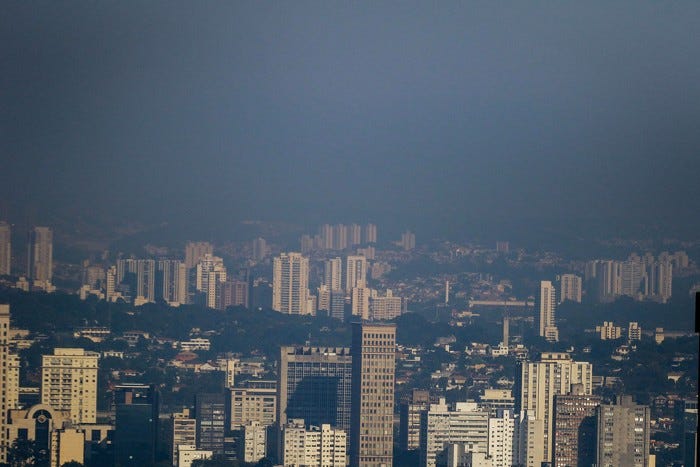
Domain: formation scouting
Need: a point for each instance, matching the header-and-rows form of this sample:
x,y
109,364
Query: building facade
x,y
290,284
69,383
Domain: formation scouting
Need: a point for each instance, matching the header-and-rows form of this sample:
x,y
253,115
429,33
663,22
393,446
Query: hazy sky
x,y
437,116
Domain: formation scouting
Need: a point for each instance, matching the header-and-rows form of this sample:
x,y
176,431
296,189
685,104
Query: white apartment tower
x,y
321,446
290,284
538,382
570,286
547,306
355,272
333,274
194,251
40,255
9,385
5,248
69,383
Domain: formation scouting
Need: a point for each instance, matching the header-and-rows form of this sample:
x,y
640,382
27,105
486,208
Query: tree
x,y
21,453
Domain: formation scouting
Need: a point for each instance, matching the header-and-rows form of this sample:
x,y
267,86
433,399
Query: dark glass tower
x,y
136,434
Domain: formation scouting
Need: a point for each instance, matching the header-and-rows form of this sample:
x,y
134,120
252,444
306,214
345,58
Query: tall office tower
x,y
40,254
333,273
195,251
623,434
69,383
5,248
184,432
355,272
505,340
259,249
386,307
253,442
172,282
372,419
370,233
233,292
443,425
528,441
210,413
340,237
547,318
570,286
145,281
408,241
494,400
574,429
608,280
501,430
290,284
632,277
409,419
354,235
9,387
136,424
502,247
686,421
538,382
319,445
252,401
315,384
326,236
360,302
337,305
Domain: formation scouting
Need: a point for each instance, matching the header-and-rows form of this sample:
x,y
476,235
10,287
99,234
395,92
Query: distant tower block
x,y
447,292
506,329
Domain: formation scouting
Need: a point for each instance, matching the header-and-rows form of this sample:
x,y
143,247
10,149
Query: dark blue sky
x,y
445,117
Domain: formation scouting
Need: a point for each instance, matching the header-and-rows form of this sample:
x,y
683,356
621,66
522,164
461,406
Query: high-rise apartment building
x,y
184,432
233,292
574,441
9,386
634,331
318,445
40,255
315,384
354,235
171,282
372,419
145,281
538,382
385,307
211,273
252,401
623,434
259,249
253,442
370,233
528,441
136,424
360,297
195,251
501,431
355,272
571,287
210,413
5,248
290,284
409,419
408,241
340,237
333,273
547,304
443,425
69,383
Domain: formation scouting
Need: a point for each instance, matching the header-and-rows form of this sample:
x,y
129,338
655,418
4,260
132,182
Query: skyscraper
x,y
290,284
145,281
370,233
538,382
355,272
547,305
570,286
136,424
5,248
408,241
172,282
69,383
333,273
259,249
354,235
373,365
210,413
40,254
623,434
315,384
9,386
574,441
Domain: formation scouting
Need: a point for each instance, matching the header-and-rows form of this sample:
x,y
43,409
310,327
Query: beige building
x,y
254,436
67,444
194,251
547,307
69,383
184,428
317,446
540,381
360,302
355,272
256,401
9,385
571,287
290,284
40,255
373,372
